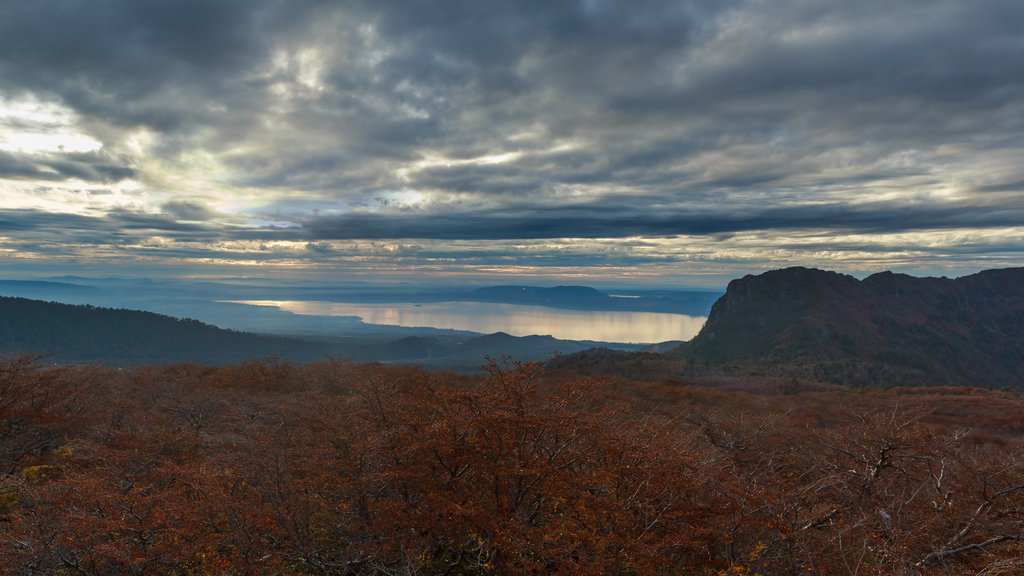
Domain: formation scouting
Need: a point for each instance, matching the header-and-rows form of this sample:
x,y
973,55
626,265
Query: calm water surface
x,y
514,319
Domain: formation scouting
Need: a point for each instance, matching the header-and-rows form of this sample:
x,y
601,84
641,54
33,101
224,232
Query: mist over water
x,y
514,319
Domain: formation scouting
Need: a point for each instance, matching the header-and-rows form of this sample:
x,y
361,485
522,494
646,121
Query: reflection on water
x,y
511,318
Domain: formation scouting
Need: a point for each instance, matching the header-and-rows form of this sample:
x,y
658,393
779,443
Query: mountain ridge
x,y
885,329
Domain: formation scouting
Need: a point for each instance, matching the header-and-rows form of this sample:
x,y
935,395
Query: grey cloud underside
x,y
162,63
192,222
188,211
623,222
114,228
88,167
128,62
710,118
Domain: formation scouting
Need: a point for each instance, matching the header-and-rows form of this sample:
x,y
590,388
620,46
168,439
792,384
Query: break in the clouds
x,y
640,140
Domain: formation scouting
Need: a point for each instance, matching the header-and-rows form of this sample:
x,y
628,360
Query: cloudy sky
x,y
591,141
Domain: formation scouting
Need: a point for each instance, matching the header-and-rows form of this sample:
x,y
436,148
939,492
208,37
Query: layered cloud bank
x,y
640,141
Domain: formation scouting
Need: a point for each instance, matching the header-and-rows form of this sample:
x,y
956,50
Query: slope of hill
x,y
886,329
73,333
77,333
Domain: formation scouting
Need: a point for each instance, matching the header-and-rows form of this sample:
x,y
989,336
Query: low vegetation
x,y
269,467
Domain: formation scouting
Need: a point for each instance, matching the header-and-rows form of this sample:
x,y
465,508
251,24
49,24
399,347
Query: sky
x,y
644,143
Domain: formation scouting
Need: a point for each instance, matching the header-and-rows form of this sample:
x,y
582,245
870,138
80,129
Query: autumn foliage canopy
x,y
268,467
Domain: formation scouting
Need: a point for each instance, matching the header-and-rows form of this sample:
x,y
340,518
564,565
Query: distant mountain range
x,y
887,329
43,285
83,333
145,293
691,302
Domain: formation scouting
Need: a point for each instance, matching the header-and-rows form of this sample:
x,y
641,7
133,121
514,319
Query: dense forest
x,y
333,467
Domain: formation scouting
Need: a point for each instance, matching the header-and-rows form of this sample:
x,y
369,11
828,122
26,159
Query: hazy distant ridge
x,y
86,333
693,302
76,333
886,329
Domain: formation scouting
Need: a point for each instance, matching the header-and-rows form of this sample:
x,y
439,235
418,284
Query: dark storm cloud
x,y
54,167
609,221
192,211
525,120
116,226
128,62
188,222
170,65
19,166
634,79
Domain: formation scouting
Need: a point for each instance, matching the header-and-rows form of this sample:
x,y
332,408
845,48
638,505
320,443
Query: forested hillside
x,y
333,468
89,334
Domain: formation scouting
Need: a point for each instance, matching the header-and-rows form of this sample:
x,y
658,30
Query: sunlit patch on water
x,y
514,319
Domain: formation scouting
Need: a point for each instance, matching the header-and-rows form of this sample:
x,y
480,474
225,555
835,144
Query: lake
x,y
514,319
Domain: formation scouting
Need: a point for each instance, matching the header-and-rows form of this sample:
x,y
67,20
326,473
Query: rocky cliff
x,y
886,329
